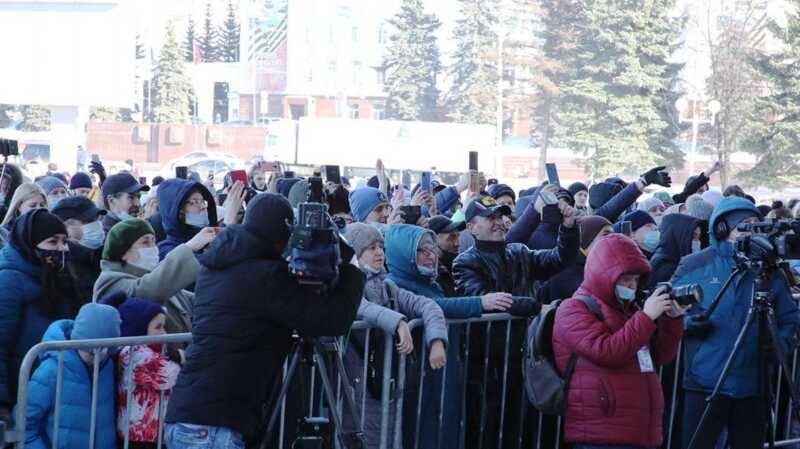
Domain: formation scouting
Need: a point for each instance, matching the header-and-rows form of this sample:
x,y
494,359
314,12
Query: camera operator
x,y
709,340
245,310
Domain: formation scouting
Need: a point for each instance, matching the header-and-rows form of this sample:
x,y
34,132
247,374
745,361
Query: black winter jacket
x,y
564,283
676,242
245,308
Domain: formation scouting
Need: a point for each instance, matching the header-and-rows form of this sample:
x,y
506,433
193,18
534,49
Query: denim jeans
x,y
195,436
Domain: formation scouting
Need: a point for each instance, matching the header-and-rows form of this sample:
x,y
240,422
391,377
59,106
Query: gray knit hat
x,y
361,236
698,208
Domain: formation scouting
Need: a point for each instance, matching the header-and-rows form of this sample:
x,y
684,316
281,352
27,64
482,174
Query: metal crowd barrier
x,y
482,421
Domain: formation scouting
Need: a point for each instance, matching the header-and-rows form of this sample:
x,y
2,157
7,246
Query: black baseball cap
x,y
440,224
77,207
484,206
122,182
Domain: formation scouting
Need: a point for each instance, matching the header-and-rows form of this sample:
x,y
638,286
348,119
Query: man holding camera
x,y
246,308
709,340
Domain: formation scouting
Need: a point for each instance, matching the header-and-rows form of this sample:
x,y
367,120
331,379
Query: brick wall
x,y
122,141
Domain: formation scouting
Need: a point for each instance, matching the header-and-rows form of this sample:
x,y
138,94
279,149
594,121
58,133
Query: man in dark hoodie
x,y
10,179
680,236
245,310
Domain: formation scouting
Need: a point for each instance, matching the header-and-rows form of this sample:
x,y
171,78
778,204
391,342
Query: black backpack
x,y
545,387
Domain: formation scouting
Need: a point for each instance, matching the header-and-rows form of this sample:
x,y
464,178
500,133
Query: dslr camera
x,y
770,241
314,244
685,295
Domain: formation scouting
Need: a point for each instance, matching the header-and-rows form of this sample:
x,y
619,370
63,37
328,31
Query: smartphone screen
x,y
332,174
95,157
425,181
239,175
181,172
626,228
473,160
552,173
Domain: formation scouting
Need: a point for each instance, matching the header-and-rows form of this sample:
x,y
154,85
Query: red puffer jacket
x,y
610,401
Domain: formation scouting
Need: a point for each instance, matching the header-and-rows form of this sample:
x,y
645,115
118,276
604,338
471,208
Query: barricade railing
x,y
476,401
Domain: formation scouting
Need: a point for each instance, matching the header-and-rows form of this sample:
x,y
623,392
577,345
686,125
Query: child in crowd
x,y
151,373
93,321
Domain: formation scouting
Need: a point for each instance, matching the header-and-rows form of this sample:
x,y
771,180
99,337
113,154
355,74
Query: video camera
x,y
770,241
314,244
685,295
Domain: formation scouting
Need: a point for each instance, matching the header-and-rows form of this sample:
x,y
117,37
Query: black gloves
x,y
98,169
525,306
657,176
552,214
697,326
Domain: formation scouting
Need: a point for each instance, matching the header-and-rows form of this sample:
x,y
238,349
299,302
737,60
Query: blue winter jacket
x,y
401,253
171,194
22,324
705,357
76,399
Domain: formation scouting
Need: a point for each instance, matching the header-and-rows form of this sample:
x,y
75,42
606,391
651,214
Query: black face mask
x,y
53,258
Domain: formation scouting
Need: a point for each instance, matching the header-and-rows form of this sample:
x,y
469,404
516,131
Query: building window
x,y
355,35
378,111
381,72
354,111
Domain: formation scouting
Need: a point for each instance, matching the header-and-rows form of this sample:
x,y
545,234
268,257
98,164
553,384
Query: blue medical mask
x,y
624,294
651,239
53,201
124,216
93,235
696,246
197,219
427,272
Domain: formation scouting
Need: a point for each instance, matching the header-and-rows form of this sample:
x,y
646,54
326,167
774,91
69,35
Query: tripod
x,y
761,309
316,349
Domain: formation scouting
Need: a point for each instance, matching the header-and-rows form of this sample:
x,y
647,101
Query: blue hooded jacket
x,y
76,399
705,357
171,195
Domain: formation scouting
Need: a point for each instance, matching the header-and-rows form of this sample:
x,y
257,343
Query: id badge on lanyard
x,y
645,360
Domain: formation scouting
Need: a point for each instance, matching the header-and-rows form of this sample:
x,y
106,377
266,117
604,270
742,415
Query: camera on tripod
x,y
314,244
685,295
770,241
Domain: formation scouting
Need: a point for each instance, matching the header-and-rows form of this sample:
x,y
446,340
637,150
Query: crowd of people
x,y
95,256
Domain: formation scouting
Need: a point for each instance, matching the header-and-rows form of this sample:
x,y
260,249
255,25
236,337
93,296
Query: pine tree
x,y
5,120
103,114
35,118
609,103
412,65
774,132
229,37
209,41
191,40
472,97
172,90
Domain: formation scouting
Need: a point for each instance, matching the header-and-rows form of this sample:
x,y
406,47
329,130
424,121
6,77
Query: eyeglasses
x,y
197,203
429,251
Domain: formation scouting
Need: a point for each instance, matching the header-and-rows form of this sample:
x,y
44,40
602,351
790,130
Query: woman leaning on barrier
x,y
33,293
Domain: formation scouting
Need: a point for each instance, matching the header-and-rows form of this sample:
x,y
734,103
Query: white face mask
x,y
696,246
197,220
148,258
93,235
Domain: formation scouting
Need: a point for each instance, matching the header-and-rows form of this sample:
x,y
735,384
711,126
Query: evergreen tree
x,y
35,118
774,132
191,39
209,41
172,91
5,120
412,65
103,114
139,47
472,97
610,102
229,37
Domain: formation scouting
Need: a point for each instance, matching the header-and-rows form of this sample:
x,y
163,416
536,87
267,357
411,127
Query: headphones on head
x,y
721,229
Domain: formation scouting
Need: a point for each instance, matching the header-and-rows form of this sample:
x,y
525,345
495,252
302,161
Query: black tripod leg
x,y
296,354
751,315
783,360
328,386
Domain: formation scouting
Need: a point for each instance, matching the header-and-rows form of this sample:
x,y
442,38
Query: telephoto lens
x,y
684,295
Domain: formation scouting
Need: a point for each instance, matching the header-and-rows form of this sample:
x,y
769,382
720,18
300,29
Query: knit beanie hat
x,y
664,197
674,209
298,193
96,321
576,187
50,183
600,193
44,226
698,208
589,227
650,203
498,190
136,314
80,180
712,197
361,236
637,218
365,200
122,235
269,216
